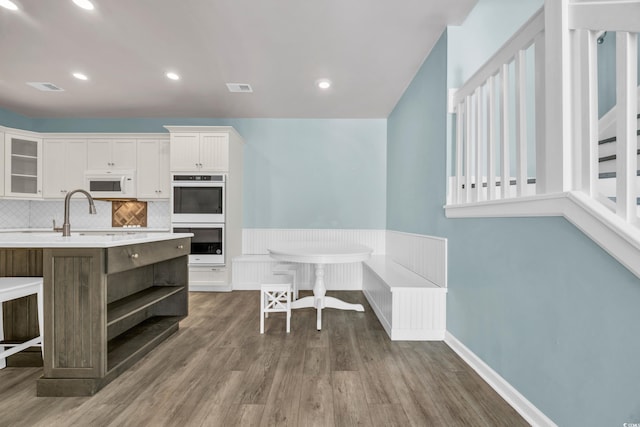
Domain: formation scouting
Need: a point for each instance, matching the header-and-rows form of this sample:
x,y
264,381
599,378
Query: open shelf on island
x,y
124,350
132,304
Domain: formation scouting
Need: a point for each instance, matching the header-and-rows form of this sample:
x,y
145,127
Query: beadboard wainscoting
x,y
407,288
255,262
255,241
424,255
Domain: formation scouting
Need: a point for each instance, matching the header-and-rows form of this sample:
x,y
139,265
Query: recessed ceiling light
x,y
80,76
8,4
85,4
172,76
324,84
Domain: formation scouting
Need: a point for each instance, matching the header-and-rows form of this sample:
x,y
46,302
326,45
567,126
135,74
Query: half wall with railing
x,y
527,137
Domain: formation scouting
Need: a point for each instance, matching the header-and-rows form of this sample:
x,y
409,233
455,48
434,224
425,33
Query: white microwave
x,y
115,184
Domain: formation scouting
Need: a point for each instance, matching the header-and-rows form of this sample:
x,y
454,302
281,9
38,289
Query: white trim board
x,y
526,409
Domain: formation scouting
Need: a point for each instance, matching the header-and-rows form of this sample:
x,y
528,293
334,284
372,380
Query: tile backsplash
x,y
129,213
41,213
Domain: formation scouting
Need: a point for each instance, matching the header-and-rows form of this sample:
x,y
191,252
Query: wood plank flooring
x,y
219,371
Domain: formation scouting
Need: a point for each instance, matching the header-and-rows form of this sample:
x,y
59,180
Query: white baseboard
x,y
526,409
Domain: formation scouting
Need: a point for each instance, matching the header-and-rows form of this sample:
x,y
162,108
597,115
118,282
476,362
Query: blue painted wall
x,y
13,120
535,298
416,138
298,173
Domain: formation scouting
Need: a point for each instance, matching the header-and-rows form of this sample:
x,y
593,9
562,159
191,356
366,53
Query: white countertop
x,y
81,240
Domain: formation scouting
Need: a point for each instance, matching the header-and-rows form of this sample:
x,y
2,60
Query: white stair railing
x,y
622,19
493,109
486,120
492,121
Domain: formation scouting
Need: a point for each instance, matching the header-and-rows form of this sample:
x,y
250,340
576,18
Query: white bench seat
x,y
396,276
409,306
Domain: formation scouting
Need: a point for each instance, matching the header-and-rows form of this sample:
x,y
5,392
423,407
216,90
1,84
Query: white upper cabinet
x,y
105,154
199,151
214,151
23,166
64,165
153,169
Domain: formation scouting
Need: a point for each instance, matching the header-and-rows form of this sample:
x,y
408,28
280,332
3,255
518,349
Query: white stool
x,y
13,288
275,296
292,270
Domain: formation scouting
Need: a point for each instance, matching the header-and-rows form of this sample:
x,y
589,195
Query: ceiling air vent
x,y
46,87
239,87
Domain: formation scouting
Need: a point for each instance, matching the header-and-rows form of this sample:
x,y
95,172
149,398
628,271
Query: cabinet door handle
x,y
135,256
180,246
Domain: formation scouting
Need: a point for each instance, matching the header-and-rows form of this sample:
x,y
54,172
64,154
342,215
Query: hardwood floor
x,y
219,371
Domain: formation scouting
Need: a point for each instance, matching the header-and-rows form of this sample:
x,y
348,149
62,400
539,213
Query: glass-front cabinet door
x,y
23,166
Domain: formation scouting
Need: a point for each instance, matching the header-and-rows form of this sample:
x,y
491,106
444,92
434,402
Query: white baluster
x,y
521,123
627,108
586,144
504,133
540,98
491,134
479,148
467,152
460,117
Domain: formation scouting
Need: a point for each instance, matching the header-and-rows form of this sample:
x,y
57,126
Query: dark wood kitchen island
x,y
108,300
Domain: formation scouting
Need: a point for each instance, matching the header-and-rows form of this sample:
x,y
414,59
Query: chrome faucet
x,y
66,226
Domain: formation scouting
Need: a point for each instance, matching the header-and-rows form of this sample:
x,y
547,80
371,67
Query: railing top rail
x,y
620,15
522,39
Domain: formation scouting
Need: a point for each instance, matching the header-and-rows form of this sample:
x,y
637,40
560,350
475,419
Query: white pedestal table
x,y
319,254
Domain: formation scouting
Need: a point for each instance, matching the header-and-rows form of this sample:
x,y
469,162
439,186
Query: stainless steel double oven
x,y
198,207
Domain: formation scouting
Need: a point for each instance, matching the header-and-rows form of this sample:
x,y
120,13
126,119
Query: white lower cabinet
x,y
64,165
208,278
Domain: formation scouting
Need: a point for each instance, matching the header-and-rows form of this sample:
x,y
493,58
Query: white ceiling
x,y
370,49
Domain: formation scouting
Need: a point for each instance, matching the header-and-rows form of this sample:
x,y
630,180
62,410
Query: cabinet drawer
x,y
123,258
207,275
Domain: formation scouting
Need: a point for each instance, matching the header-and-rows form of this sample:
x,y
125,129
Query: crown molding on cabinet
x,y
229,129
